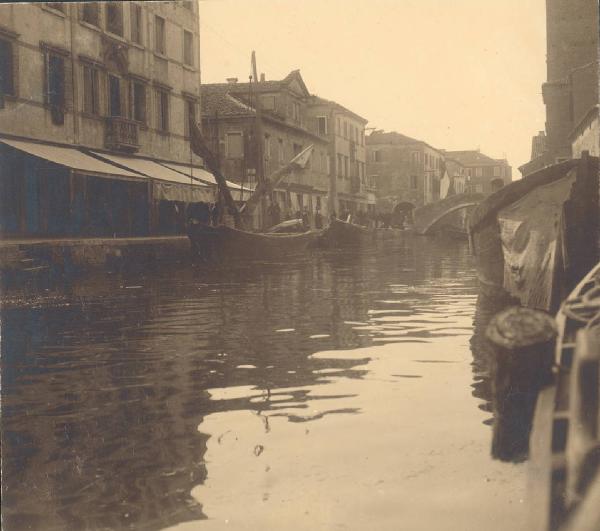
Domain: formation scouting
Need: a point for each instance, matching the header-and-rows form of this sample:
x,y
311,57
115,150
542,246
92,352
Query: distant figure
x,y
305,219
318,220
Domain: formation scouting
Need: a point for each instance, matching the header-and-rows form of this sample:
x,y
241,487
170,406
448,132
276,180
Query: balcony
x,y
121,134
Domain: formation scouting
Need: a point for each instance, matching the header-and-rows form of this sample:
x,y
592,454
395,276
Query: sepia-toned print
x,y
271,265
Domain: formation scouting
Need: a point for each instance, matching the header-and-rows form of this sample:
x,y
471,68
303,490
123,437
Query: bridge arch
x,y
428,217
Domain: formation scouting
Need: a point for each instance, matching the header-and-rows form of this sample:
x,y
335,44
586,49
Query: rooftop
x,y
392,137
473,158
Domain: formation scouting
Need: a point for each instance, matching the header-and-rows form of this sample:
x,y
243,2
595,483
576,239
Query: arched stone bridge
x,y
428,217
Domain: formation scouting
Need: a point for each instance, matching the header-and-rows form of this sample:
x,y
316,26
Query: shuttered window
x,y
114,96
162,110
136,23
7,82
138,102
91,100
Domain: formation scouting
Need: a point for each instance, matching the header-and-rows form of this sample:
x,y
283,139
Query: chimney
x,y
232,80
262,78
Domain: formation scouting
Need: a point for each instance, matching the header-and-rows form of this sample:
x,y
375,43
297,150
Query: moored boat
x,y
564,467
534,238
343,233
225,242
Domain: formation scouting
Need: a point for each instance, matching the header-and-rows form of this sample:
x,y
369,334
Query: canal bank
x,y
27,257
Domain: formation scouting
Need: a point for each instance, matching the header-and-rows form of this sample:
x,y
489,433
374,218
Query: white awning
x,y
150,169
201,173
69,157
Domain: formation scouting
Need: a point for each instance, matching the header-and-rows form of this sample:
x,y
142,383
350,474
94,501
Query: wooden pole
x,y
523,347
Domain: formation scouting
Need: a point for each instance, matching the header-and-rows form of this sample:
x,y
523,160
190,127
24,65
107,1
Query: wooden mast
x,y
260,139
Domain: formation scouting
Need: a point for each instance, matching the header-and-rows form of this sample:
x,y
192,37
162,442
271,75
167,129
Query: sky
x,y
458,74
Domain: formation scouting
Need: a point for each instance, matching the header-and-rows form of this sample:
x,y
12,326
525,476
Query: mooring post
x,y
523,344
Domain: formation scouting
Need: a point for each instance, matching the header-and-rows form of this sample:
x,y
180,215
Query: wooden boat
x,y
343,233
564,467
289,226
225,242
531,239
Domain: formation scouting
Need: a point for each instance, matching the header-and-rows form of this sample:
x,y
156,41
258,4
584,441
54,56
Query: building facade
x,y
351,191
570,92
291,119
484,174
405,170
110,81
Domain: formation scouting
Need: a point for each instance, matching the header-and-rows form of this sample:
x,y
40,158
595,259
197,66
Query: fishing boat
x,y
344,233
531,239
564,465
223,242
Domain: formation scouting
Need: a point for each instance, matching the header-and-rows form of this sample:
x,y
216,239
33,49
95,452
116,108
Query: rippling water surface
x,y
341,391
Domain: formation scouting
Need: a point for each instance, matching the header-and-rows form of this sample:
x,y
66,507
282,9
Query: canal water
x,y
348,390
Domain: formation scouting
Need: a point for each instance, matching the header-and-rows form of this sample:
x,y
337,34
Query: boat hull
x,y
343,234
527,238
224,242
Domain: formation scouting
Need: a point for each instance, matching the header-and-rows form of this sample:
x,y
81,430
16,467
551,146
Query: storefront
x,y
55,191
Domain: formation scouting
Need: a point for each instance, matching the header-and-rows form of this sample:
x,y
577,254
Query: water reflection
x,y
125,397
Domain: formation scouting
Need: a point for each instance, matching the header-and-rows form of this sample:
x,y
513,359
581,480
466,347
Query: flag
x,y
302,158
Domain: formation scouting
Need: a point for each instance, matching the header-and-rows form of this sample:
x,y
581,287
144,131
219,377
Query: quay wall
x,y
73,255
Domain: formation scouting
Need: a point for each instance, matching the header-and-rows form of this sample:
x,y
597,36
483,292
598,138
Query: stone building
x,y
570,92
484,174
291,120
351,191
94,107
406,170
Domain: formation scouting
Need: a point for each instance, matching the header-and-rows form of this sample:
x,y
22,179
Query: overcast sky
x,y
459,74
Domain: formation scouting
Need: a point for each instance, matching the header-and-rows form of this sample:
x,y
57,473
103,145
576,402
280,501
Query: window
x,y
138,102
159,34
190,115
7,81
91,13
114,17
415,158
136,23
267,147
268,102
58,6
345,129
55,87
478,172
338,127
114,96
188,48
234,145
340,171
91,99
296,111
345,167
297,149
162,110
414,182
376,156
496,171
322,122
281,154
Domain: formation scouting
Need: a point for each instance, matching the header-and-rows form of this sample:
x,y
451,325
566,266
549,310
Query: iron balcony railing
x,y
121,134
